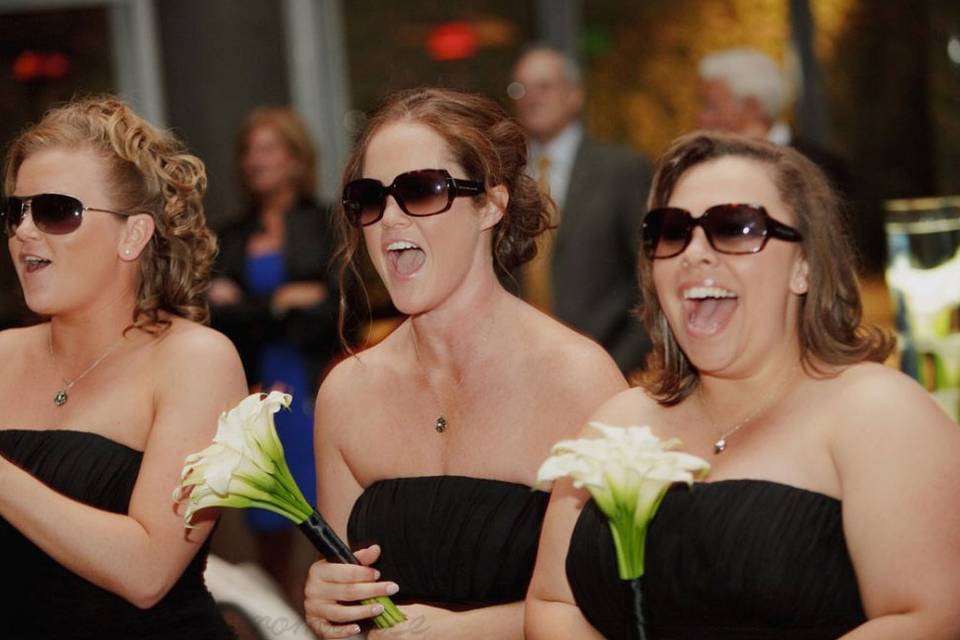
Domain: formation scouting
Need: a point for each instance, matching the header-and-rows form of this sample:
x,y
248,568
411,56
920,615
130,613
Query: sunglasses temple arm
x,y
783,232
467,187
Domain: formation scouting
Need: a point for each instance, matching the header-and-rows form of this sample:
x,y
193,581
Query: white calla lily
x,y
627,471
245,467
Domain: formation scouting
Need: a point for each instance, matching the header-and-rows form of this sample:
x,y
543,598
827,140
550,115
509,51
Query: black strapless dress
x,y
42,599
451,540
733,559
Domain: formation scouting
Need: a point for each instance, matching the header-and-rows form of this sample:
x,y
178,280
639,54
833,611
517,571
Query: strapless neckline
x,y
452,540
729,559
74,433
48,598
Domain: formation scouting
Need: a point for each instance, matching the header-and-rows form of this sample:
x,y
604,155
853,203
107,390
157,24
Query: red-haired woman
x,y
429,442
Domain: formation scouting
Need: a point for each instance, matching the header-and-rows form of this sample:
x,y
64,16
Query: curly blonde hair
x,y
150,172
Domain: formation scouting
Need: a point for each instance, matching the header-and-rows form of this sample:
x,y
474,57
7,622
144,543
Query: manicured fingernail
x,y
392,588
355,629
377,609
376,574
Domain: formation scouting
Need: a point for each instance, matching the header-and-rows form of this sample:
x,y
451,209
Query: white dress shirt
x,y
561,151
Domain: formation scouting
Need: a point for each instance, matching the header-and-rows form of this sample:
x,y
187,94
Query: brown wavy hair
x,y
830,329
294,135
150,172
487,143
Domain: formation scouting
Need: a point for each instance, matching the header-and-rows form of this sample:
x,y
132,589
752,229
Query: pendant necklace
x,y
61,397
440,424
720,445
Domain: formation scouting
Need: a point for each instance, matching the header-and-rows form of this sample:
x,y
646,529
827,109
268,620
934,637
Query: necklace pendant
x,y
61,398
440,425
719,446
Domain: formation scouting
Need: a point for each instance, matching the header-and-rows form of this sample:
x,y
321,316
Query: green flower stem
x,y
629,540
391,615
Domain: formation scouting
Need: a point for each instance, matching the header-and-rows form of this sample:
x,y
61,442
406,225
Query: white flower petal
x,y
244,465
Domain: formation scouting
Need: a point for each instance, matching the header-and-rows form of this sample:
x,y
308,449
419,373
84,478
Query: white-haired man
x,y
742,90
585,272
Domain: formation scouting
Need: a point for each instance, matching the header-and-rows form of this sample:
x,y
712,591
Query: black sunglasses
x,y
52,213
730,228
426,192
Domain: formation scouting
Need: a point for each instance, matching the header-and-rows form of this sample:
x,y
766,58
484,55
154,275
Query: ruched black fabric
x,y
42,599
733,559
452,540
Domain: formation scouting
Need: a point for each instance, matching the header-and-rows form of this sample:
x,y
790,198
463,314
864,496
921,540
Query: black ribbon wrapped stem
x,y
326,540
637,586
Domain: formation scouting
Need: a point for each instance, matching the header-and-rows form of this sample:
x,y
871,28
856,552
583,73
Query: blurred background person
x,y
104,400
742,90
585,270
275,296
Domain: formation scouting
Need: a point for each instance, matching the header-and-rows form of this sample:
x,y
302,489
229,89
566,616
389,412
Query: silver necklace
x,y
61,397
720,445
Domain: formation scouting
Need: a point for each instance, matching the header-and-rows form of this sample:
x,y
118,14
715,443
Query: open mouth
x,y
34,263
708,309
406,257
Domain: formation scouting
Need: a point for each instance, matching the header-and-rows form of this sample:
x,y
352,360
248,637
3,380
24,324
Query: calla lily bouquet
x,y
627,471
245,467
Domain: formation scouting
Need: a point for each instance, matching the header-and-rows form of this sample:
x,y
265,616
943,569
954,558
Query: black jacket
x,y
308,251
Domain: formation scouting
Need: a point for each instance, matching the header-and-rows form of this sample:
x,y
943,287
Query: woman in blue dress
x,y
274,295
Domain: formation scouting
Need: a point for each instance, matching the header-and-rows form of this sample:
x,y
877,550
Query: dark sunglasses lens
x,y
56,214
650,232
422,193
669,232
12,214
736,228
52,213
363,200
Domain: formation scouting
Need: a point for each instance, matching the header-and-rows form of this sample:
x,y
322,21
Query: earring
x,y
126,252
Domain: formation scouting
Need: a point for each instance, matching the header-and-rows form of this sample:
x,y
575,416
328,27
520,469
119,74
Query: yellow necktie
x,y
537,285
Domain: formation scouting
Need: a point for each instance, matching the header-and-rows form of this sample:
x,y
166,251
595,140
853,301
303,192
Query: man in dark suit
x,y
585,273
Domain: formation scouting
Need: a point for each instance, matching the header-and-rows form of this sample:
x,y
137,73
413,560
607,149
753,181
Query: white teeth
x,y
699,293
400,245
34,260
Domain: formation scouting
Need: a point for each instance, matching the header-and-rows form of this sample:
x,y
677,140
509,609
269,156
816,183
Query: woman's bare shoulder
x,y
191,343
870,400
634,406
553,347
12,340
870,385
358,383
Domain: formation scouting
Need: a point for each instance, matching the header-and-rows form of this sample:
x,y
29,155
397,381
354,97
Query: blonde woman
x,y
103,400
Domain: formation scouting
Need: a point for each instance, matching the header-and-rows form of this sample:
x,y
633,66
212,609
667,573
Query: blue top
x,y
282,367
